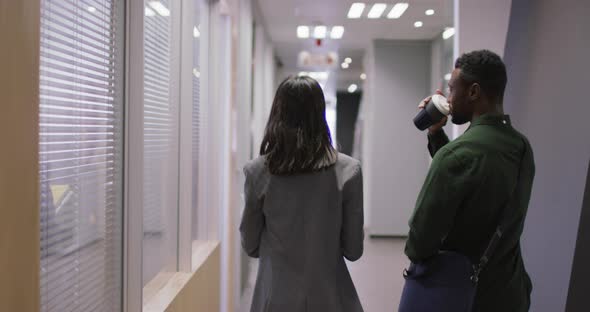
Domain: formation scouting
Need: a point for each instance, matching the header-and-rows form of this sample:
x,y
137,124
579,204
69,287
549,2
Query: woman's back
x,y
301,226
304,208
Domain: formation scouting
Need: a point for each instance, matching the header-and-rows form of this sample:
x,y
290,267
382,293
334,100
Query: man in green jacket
x,y
470,182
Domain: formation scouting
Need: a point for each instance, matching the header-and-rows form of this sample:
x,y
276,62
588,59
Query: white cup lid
x,y
441,104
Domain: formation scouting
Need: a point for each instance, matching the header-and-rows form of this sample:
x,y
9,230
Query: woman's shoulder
x,y
348,165
256,174
347,161
344,164
255,166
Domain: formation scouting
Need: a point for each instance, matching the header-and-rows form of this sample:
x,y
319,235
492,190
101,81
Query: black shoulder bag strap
x,y
504,222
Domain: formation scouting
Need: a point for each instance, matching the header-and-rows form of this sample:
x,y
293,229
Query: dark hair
x,y
485,68
297,138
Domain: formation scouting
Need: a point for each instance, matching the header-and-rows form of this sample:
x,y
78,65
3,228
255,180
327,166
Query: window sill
x,y
201,251
165,287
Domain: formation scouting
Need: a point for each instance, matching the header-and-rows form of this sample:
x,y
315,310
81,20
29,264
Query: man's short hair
x,y
485,68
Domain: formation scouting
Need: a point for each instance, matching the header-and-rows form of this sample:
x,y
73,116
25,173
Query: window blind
x,y
161,135
81,88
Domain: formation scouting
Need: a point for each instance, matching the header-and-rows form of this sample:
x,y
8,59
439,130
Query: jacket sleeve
x,y
352,234
439,200
253,221
436,141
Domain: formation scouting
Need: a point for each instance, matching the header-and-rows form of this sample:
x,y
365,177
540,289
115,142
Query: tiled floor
x,y
377,275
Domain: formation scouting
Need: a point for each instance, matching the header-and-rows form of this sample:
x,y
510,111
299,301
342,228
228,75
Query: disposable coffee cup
x,y
434,111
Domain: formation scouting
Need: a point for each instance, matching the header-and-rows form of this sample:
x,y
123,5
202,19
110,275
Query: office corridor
x,y
377,275
126,125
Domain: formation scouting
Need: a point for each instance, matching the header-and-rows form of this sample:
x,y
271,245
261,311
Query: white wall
x,y
264,71
255,85
258,112
243,101
442,62
394,151
241,133
547,59
436,55
219,142
269,78
479,24
364,133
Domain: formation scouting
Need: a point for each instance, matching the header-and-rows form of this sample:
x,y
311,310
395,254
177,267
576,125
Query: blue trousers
x,y
442,284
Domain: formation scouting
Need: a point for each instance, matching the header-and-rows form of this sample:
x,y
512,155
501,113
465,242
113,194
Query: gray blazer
x,y
302,227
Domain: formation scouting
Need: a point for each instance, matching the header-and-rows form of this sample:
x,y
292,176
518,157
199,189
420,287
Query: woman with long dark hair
x,y
304,209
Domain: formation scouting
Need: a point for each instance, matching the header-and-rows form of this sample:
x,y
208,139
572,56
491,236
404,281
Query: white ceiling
x,y
283,16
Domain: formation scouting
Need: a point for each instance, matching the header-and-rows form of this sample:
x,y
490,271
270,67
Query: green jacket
x,y
468,185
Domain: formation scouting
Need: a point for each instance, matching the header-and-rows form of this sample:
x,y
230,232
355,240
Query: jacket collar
x,y
491,120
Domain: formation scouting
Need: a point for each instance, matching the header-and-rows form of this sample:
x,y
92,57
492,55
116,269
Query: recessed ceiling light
x,y
448,33
337,32
377,10
352,88
398,10
418,24
319,32
160,8
91,9
344,65
356,10
348,60
149,12
196,32
429,12
363,76
302,32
